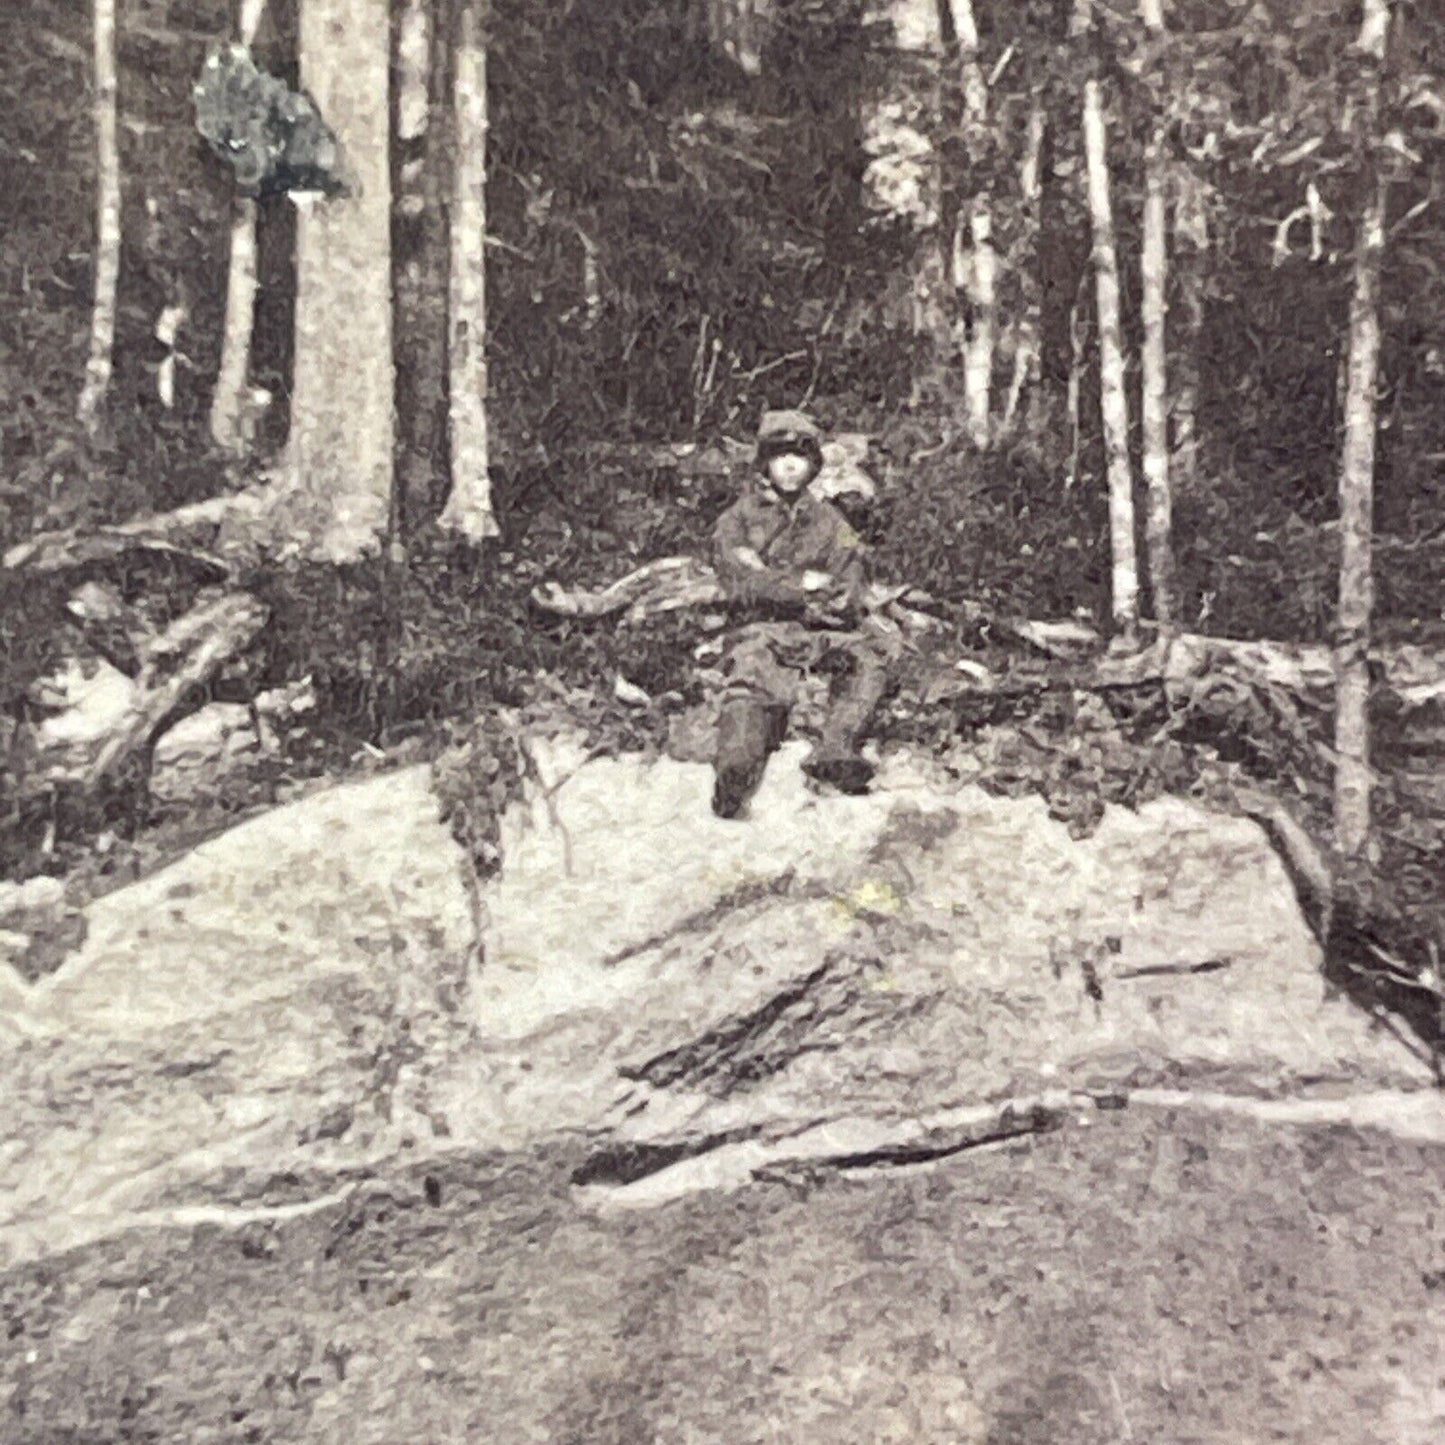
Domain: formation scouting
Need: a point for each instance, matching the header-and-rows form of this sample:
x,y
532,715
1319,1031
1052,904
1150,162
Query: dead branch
x,y
181,662
190,534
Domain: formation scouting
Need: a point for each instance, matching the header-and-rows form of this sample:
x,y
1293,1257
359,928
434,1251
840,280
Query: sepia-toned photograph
x,y
722,722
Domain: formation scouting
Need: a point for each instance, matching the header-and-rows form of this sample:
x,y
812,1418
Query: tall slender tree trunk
x,y
1153,359
413,69
421,162
469,510
1191,237
228,399
1024,379
1074,393
107,218
1357,482
976,260
342,394
1112,386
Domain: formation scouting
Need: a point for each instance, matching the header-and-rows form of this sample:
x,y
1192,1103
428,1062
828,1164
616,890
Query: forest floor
x,y
1138,1275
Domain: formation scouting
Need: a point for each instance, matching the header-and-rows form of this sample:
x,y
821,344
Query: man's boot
x,y
837,760
749,731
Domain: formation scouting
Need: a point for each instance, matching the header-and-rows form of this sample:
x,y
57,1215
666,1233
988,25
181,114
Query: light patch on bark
x,y
413,63
168,330
241,286
469,510
107,217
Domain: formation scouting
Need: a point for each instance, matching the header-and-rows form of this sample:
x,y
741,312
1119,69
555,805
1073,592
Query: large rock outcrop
x,y
832,979
257,1010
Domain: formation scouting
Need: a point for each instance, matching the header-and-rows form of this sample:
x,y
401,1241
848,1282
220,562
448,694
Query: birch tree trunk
x,y
107,218
1028,337
1124,574
979,268
469,510
1357,484
341,397
1158,526
1191,237
228,399
413,70
421,166
1074,396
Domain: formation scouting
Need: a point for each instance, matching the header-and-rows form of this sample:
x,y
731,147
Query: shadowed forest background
x,y
738,261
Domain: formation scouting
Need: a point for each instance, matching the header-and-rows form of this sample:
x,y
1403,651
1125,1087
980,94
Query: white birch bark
x,y
1191,235
1124,573
980,268
1154,403
1357,491
469,510
228,400
1026,360
100,359
413,67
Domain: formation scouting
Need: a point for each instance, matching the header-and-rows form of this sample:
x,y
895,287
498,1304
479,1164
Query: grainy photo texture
x,y
722,722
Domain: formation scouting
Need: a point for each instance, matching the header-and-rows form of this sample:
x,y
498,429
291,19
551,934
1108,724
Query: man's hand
x,y
749,558
828,604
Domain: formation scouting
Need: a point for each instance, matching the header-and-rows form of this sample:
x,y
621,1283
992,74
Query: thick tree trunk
x,y
978,261
342,402
1357,491
1158,527
1112,387
469,510
107,218
228,400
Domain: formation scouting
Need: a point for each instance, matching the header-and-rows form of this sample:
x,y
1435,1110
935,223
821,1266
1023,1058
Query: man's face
x,y
790,472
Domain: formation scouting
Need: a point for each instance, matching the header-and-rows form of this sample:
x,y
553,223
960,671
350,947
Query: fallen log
x,y
1410,679
1414,676
210,536
189,534
677,584
180,663
671,584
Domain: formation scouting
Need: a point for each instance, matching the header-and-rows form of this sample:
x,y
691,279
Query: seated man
x,y
794,574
